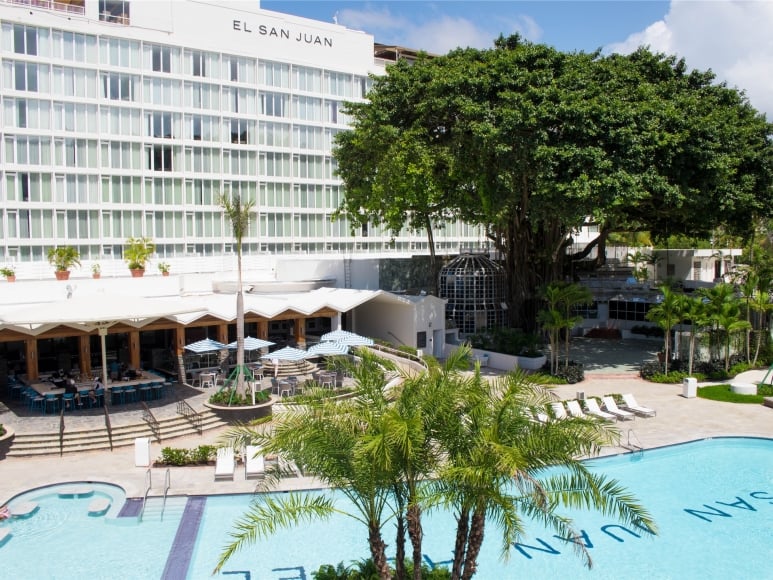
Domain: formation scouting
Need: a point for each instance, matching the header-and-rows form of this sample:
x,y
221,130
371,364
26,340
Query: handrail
x,y
149,484
147,416
167,485
400,354
634,446
194,417
61,432
108,426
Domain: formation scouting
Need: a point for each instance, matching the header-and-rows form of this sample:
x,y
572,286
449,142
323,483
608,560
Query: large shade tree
x,y
528,142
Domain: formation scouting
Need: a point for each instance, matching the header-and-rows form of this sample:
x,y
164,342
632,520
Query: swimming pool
x,y
712,501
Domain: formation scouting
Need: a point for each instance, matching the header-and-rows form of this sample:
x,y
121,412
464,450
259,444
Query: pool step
x,y
175,507
32,444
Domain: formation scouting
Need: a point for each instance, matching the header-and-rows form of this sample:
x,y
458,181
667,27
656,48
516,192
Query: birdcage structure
x,y
475,288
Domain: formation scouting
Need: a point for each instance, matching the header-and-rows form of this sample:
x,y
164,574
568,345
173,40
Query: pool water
x,y
712,501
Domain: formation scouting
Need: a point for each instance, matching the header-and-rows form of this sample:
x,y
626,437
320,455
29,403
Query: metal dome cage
x,y
474,286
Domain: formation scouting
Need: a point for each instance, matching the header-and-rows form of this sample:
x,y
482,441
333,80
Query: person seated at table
x,y
97,389
69,387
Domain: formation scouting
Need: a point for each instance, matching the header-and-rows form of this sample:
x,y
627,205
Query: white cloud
x,y
731,37
435,32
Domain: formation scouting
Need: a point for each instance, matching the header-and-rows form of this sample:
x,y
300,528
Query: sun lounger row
x,y
628,411
254,463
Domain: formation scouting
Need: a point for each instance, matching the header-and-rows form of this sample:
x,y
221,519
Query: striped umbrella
x,y
287,353
346,337
206,345
251,343
328,349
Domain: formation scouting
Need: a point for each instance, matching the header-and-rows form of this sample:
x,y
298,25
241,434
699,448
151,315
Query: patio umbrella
x,y
287,353
328,348
251,343
346,337
205,345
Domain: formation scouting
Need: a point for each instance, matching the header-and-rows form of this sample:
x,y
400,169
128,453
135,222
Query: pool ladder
x,y
167,485
635,445
148,487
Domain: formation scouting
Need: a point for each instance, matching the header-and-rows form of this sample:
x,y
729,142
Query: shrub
x,y
178,457
203,454
572,374
228,397
651,368
172,456
510,341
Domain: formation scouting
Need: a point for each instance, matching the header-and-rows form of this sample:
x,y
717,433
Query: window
x,y
162,59
199,65
274,104
421,339
237,69
307,108
202,95
27,113
241,131
275,164
26,76
274,134
116,11
305,137
307,79
274,74
79,48
118,87
160,125
120,52
338,84
160,157
25,40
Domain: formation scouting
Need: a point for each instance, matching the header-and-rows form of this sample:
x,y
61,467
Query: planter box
x,y
6,441
532,363
243,413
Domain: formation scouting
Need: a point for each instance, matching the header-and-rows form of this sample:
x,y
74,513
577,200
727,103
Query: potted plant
x,y
9,273
62,258
137,255
96,271
164,267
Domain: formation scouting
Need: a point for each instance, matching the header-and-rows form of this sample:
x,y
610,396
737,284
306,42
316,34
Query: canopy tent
x,y
346,337
95,312
251,343
328,348
205,345
287,353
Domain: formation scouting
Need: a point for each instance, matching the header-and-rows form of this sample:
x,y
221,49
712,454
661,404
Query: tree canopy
x,y
529,142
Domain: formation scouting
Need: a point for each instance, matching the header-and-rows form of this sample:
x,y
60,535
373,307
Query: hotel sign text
x,y
282,33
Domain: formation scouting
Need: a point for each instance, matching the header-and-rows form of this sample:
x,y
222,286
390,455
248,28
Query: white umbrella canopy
x,y
287,353
346,337
328,348
205,345
251,343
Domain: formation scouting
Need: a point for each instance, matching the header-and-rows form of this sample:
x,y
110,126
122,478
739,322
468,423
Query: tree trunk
x,y
416,534
462,529
378,552
433,270
400,545
239,328
474,543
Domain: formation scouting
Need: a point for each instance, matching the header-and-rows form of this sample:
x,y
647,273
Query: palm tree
x,y
496,466
238,213
561,298
694,311
667,314
761,305
714,299
729,320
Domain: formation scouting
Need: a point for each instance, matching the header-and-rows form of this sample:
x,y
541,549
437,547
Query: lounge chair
x,y
575,410
225,465
559,410
631,405
611,407
254,462
592,407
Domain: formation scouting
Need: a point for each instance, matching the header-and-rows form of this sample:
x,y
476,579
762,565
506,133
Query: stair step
x,y
33,444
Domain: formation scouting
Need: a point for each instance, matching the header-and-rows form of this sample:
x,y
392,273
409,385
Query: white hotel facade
x,y
128,118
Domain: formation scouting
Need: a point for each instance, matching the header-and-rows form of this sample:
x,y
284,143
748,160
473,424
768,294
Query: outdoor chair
x,y
68,400
51,402
130,394
117,395
85,399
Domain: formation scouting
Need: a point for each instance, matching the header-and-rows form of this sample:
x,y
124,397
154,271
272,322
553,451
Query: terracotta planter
x,y
6,441
96,276
137,272
10,278
165,273
62,274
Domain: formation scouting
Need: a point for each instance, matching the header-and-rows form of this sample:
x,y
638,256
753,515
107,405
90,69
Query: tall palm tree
x,y
695,313
714,298
729,320
238,213
761,306
667,314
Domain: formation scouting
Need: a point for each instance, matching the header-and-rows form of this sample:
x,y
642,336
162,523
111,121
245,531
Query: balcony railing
x,y
70,8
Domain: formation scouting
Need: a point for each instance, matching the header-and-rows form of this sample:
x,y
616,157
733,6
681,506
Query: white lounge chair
x,y
574,409
254,462
611,407
631,405
225,465
592,407
559,410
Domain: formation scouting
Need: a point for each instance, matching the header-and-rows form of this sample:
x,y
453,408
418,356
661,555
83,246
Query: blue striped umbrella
x,y
206,345
251,343
346,337
328,349
285,354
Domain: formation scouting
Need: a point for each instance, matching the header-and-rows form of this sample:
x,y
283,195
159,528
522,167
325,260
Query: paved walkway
x,y
678,420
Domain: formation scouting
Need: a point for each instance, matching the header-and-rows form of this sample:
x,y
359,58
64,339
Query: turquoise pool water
x,y
712,500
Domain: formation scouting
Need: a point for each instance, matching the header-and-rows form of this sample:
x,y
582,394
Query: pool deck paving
x,y
678,420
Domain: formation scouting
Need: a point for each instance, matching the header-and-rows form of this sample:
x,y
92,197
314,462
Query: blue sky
x,y
733,38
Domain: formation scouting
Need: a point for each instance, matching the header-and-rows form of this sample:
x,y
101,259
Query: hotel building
x,y
128,118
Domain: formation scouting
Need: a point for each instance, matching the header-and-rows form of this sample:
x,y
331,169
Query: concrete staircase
x,y
33,444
